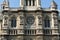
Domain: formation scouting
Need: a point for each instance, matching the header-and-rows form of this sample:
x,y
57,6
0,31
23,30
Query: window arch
x,y
47,21
13,22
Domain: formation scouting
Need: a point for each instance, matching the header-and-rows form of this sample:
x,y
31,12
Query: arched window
x,y
13,22
47,21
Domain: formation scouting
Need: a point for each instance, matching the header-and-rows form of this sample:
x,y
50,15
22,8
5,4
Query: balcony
x,y
30,8
55,27
39,32
12,31
47,27
20,31
5,27
29,32
55,33
30,27
4,32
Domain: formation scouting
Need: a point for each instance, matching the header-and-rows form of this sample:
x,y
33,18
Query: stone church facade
x,y
29,22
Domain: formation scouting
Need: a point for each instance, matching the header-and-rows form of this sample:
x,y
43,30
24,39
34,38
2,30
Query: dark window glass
x,y
33,2
47,23
13,22
26,2
29,2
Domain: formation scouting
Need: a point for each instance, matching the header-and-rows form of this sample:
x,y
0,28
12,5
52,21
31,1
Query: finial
x,y
53,5
53,2
7,1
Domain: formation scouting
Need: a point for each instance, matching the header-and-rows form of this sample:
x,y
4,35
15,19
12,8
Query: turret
x,y
53,5
5,4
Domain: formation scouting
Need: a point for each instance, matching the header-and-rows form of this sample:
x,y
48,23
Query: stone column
x,y
31,3
28,2
18,22
3,22
36,21
37,2
52,23
21,3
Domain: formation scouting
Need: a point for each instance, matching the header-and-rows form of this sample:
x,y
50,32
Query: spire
x,y
53,5
5,4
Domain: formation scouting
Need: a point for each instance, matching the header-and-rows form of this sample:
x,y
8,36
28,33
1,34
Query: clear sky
x,y
44,3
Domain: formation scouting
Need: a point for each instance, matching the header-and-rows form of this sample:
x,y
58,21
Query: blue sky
x,y
44,3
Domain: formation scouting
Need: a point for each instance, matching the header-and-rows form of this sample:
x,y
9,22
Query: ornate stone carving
x,y
30,19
